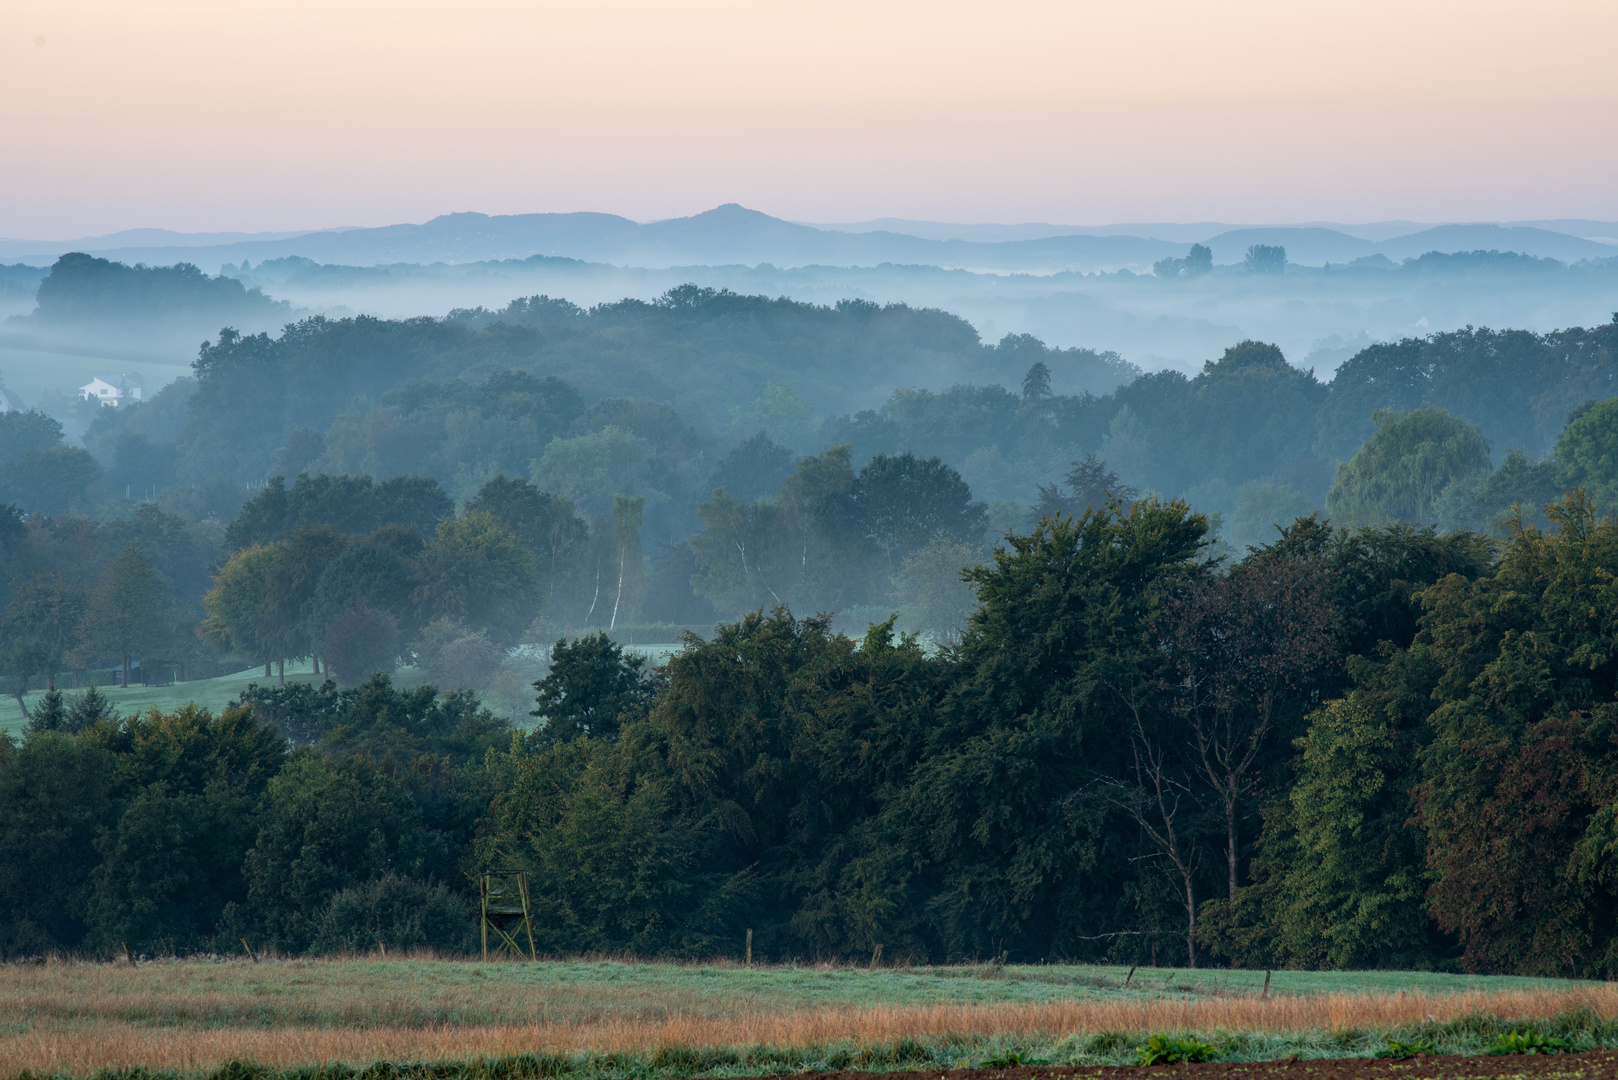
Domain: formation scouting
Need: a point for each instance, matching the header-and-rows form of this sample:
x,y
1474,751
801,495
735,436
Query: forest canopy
x,y
943,652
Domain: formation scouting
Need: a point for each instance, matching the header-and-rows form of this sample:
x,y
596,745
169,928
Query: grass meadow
x,y
603,1018
212,694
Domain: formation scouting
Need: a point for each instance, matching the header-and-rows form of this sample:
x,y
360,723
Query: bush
x,y
1162,1050
398,912
1528,1042
362,641
1399,1051
453,655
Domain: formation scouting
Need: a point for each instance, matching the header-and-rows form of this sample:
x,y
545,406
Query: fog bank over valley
x,y
1124,288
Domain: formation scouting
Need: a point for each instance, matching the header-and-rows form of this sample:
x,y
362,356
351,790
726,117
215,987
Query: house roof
x,y
122,382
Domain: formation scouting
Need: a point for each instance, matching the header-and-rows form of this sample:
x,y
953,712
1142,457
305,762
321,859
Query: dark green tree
x,y
1040,758
475,571
1520,773
56,480
1489,503
356,505
122,617
901,502
753,469
1400,472
591,683
40,627
1340,880
361,642
1089,484
376,572
88,710
56,797
189,784
329,825
1037,383
1266,259
50,714
1587,452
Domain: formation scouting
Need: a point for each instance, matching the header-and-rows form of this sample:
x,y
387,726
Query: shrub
x,y
1162,1050
394,911
362,641
453,655
1399,1051
1528,1042
1011,1059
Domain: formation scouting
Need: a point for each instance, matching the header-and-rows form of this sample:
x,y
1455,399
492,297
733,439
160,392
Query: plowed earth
x,y
1601,1063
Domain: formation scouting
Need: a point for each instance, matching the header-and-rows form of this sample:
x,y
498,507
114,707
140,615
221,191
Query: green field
x,y
32,365
598,1019
372,992
214,694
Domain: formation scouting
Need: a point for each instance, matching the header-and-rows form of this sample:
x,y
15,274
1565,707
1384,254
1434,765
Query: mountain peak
x,y
733,211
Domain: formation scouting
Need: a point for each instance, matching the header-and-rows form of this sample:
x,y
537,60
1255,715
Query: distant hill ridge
x,y
732,234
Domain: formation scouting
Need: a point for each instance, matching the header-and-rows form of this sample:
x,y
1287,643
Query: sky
x,y
248,115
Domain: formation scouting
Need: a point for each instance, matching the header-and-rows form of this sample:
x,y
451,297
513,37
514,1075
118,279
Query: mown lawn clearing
x,y
211,694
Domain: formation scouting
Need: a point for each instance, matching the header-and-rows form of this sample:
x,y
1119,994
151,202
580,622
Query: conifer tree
x,y
50,714
88,709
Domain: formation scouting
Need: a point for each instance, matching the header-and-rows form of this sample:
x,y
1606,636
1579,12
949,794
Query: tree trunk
x,y
1190,922
281,671
267,671
620,595
1230,845
21,704
126,671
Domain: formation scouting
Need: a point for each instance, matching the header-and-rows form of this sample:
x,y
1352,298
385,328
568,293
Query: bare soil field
x,y
1602,1063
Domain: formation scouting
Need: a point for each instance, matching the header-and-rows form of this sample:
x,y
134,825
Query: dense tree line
x,y
1143,724
190,831
657,399
93,295
1137,744
359,577
649,399
1352,747
360,573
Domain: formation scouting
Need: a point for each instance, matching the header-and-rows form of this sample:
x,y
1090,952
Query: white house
x,y
8,403
109,393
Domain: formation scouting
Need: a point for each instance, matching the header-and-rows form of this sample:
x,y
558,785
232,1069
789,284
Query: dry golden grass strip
x,y
334,994
102,1044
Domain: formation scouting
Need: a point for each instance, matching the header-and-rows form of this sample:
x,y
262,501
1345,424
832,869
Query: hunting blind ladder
x,y
504,907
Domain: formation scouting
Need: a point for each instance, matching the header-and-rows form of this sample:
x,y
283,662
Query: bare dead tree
x,y
1246,646
1154,801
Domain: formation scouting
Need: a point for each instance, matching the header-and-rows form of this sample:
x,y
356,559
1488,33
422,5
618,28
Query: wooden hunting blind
x,y
504,908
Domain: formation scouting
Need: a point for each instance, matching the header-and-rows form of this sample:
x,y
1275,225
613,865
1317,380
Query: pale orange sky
x,y
281,114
